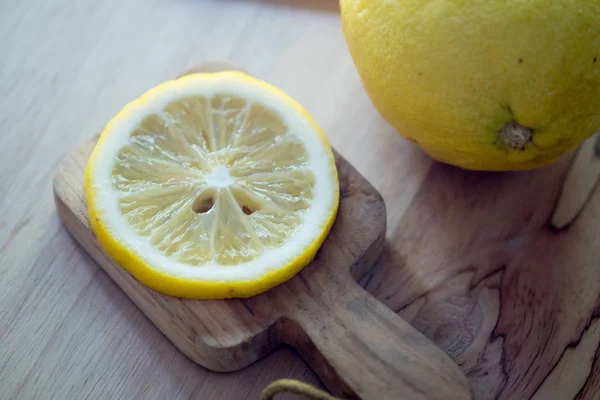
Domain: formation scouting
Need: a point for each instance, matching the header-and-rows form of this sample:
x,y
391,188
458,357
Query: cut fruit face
x,y
212,186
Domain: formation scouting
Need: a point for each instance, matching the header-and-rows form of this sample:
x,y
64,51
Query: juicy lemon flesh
x,y
223,195
211,180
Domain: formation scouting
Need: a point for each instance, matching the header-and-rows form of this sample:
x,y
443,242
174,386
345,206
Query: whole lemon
x,y
481,84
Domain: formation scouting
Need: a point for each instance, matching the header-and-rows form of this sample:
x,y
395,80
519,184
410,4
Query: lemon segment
x,y
212,186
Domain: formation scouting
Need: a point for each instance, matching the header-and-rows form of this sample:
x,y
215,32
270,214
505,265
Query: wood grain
x,y
579,184
359,348
478,283
479,271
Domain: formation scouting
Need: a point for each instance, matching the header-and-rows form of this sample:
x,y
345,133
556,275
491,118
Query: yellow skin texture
x,y
450,74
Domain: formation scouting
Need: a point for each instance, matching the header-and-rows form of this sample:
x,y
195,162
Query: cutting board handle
x,y
362,349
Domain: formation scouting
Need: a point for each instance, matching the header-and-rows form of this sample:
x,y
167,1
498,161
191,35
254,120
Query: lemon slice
x,y
212,186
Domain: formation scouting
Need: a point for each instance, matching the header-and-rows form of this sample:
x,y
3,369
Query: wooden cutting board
x,y
476,265
358,347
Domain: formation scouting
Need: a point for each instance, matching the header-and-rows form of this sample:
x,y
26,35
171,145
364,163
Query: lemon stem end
x,y
515,135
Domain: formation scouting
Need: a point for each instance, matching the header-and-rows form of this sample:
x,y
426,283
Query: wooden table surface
x,y
68,332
